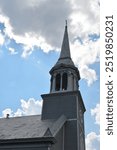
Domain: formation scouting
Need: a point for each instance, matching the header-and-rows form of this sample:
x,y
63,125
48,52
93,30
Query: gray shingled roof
x,y
28,127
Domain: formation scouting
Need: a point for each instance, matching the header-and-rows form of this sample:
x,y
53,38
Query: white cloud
x,y
1,39
85,54
35,19
12,51
40,24
92,141
88,74
30,107
7,111
30,18
31,41
85,17
96,113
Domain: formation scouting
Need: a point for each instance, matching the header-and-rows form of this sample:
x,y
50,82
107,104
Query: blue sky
x,y
30,40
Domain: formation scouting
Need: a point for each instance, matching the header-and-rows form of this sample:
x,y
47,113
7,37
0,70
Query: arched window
x,y
64,81
58,81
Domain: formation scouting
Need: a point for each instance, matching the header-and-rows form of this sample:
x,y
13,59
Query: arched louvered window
x,y
64,81
58,82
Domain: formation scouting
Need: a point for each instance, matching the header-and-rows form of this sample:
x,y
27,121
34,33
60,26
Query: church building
x,y
61,124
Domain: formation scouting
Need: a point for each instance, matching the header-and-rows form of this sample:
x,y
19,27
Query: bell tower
x,y
65,99
64,74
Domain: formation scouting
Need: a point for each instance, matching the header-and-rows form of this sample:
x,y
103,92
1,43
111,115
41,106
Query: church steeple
x,y
65,49
65,55
65,100
64,74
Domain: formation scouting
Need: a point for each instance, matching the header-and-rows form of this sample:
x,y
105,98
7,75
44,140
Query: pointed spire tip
x,y
66,22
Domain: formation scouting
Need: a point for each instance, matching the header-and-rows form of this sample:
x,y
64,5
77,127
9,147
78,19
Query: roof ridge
x,y
16,117
58,124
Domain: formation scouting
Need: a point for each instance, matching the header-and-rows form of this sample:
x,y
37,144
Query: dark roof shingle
x,y
27,127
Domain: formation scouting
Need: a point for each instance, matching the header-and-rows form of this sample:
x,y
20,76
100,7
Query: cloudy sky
x,y
31,34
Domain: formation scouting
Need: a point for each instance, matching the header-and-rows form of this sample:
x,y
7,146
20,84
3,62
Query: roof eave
x,y
42,140
56,67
